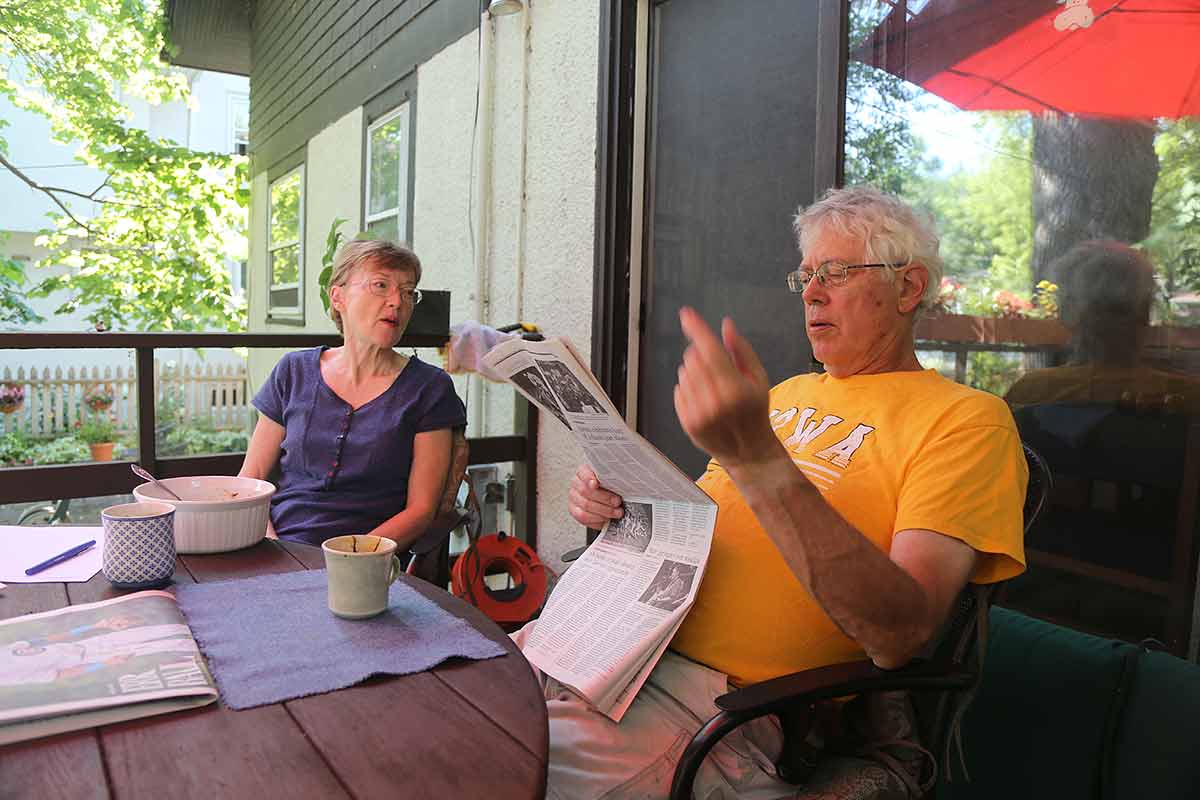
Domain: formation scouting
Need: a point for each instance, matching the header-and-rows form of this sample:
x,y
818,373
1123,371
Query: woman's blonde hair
x,y
384,255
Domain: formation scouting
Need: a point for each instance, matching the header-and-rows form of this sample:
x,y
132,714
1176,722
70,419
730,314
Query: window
x,y
285,254
387,176
239,124
1015,126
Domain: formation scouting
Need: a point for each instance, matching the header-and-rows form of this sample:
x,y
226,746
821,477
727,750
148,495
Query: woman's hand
x,y
590,504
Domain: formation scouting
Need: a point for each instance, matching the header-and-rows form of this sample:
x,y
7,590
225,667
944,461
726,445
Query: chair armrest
x,y
772,696
438,531
839,680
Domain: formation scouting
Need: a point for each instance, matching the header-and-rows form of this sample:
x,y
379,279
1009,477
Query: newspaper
x,y
615,610
88,665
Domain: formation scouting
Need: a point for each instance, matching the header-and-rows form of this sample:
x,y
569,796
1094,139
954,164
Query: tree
x,y
148,244
1174,241
1092,178
984,214
14,310
880,147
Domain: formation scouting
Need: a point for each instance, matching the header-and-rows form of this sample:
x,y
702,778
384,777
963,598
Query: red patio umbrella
x,y
1115,58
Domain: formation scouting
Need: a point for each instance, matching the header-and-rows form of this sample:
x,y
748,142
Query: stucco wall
x,y
560,222
539,246
546,278
332,189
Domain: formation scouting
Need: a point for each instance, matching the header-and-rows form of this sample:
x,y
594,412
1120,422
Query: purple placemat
x,y
272,638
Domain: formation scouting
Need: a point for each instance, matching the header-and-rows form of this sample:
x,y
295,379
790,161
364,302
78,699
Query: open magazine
x,y
615,610
88,665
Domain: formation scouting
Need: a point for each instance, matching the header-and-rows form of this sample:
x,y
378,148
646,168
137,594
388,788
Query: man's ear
x,y
335,297
913,282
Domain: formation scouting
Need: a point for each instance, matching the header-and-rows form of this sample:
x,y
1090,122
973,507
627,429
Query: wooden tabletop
x,y
465,729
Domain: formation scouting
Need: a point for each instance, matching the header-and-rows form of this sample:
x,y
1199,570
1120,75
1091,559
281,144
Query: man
x,y
853,506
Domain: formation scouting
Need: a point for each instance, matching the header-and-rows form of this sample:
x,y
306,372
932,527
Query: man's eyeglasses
x,y
831,273
383,287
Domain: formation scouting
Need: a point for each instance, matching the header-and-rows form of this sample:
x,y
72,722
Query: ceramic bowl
x,y
217,512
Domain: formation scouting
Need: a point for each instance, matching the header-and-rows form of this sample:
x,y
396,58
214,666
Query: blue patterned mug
x,y
139,544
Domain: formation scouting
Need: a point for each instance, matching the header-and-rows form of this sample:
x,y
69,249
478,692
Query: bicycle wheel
x,y
38,515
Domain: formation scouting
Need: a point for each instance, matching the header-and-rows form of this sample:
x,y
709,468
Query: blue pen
x,y
60,558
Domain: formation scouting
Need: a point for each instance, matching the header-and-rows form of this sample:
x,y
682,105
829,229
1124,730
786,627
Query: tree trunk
x,y
1092,178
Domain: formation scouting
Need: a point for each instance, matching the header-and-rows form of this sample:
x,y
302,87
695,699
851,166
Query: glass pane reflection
x,y
1069,227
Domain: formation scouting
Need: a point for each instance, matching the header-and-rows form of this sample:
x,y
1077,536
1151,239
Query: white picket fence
x,y
209,395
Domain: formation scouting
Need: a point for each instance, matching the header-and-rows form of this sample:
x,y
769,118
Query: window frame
x,y
234,99
287,314
402,210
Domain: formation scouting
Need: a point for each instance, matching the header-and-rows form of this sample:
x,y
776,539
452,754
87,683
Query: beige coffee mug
x,y
359,570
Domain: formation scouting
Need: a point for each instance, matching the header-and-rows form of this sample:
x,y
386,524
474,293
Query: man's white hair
x,y
891,231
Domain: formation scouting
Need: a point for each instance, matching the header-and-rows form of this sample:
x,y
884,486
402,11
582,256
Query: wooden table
x,y
465,729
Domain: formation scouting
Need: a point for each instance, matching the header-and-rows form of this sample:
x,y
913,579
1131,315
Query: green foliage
x,y
15,450
332,242
189,441
147,246
993,372
1174,241
880,148
15,312
985,215
64,450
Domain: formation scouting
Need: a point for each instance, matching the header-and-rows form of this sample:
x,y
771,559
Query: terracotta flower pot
x,y
102,451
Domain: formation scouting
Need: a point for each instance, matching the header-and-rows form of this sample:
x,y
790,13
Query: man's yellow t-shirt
x,y
890,452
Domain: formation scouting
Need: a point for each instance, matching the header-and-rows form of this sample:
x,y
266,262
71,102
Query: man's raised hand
x,y
722,394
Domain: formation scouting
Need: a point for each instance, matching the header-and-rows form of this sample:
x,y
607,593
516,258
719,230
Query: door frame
x,y
622,136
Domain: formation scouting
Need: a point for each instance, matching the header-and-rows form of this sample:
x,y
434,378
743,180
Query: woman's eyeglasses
x,y
383,287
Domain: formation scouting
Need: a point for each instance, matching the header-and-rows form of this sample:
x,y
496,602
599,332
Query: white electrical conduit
x,y
480,211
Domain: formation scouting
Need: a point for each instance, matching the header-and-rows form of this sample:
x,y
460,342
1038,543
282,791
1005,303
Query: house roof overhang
x,y
209,34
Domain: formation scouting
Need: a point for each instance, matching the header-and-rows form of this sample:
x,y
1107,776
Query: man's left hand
x,y
722,394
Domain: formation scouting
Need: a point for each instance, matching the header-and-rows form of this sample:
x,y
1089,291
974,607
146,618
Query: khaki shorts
x,y
592,757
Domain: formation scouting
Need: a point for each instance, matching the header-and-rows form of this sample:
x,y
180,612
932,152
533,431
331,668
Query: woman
x,y
362,434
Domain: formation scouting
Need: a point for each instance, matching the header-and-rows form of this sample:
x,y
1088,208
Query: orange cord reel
x,y
495,554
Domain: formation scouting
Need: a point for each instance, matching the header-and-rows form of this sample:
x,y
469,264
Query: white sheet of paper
x,y
22,546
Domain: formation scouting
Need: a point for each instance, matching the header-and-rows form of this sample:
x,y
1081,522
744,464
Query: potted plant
x,y
12,397
100,435
99,397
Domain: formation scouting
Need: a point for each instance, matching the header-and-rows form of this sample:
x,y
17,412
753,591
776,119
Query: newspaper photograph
x,y
84,665
613,613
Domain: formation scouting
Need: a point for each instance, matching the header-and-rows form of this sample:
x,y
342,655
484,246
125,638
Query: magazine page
x,y
614,611
551,376
101,662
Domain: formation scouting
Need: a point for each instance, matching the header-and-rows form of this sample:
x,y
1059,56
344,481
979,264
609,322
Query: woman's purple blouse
x,y
346,470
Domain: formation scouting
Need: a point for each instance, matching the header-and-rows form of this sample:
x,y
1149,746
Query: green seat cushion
x,y
1158,744
1042,717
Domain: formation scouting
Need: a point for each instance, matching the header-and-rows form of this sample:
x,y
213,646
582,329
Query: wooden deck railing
x,y
26,484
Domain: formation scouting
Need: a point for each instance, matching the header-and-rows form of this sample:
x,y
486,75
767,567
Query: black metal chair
x,y
941,685
429,556
1114,553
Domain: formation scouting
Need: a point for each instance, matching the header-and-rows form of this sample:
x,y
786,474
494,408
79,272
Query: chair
x,y
941,685
1114,554
429,556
